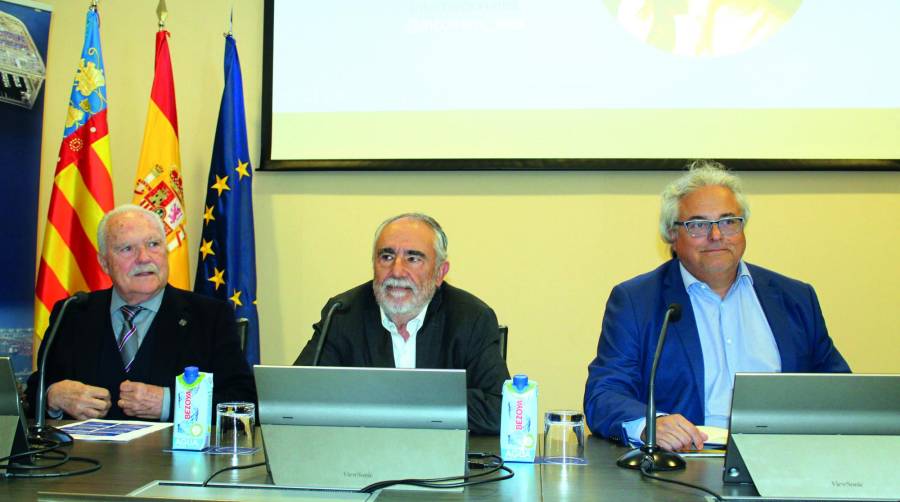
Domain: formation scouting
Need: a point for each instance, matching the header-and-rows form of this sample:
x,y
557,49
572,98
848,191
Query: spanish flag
x,y
82,189
159,184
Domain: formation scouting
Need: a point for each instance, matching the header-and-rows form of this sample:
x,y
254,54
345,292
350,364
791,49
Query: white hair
x,y
103,231
700,173
440,238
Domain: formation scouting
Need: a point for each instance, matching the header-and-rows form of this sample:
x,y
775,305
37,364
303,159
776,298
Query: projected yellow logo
x,y
702,27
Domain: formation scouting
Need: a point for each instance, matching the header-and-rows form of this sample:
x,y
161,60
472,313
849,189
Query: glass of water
x,y
235,427
564,437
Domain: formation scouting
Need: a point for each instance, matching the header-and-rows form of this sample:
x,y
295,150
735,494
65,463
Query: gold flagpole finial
x,y
230,23
162,13
94,4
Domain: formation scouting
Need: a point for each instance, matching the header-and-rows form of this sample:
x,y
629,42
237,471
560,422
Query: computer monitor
x,y
811,409
13,432
346,428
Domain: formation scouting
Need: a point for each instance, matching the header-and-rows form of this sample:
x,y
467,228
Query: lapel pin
x,y
182,322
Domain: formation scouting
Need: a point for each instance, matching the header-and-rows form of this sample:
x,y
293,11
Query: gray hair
x,y
103,231
700,173
440,238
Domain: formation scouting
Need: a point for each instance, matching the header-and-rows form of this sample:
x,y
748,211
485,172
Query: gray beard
x,y
413,307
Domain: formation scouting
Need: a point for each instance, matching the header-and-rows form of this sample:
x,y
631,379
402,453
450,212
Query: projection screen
x,y
580,84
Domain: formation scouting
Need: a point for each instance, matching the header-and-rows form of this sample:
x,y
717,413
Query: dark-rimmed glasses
x,y
728,226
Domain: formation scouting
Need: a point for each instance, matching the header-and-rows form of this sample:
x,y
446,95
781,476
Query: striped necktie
x,y
128,339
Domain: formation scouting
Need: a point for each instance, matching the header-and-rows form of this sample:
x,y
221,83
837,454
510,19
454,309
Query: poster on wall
x,y
24,28
580,84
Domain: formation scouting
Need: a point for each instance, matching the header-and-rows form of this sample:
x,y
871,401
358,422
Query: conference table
x,y
129,466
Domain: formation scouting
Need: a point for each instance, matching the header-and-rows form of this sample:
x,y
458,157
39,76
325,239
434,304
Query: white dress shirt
x,y
404,350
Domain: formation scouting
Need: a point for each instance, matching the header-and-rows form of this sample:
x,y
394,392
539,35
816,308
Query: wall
x,y
543,248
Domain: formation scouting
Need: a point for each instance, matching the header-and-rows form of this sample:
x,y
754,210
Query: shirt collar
x,y
743,275
152,304
412,326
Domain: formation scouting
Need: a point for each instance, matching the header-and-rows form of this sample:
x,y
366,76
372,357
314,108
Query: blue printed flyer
x,y
112,430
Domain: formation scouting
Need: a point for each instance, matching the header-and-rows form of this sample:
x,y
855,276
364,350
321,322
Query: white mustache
x,y
140,269
394,282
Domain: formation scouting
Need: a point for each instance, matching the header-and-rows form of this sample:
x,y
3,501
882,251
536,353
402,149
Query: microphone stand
x,y
324,333
40,429
650,456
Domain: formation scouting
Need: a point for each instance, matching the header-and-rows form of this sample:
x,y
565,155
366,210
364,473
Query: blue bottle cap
x,y
190,374
520,382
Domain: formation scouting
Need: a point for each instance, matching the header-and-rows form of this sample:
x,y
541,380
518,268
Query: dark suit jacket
x,y
459,332
616,389
188,330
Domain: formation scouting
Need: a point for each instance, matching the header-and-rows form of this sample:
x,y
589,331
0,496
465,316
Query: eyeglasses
x,y
728,226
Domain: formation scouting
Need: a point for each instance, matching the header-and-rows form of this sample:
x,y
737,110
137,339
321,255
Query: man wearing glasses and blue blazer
x,y
735,317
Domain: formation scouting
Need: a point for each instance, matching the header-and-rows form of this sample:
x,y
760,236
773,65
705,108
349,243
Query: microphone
x,y
650,456
40,429
335,307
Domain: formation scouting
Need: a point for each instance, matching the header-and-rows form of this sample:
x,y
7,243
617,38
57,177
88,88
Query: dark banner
x,y
24,27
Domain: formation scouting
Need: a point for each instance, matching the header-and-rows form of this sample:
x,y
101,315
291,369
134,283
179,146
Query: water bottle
x,y
193,410
518,420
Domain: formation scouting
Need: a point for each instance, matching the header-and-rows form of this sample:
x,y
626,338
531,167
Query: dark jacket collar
x,y
428,347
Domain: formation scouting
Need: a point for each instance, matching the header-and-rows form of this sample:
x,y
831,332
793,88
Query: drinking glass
x,y
564,437
235,427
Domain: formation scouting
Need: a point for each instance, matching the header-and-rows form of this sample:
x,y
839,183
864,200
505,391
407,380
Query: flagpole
x,y
162,13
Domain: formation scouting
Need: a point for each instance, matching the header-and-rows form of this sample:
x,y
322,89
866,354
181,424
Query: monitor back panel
x,y
815,403
345,428
12,417
820,404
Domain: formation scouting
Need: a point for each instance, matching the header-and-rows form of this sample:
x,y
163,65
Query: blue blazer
x,y
616,389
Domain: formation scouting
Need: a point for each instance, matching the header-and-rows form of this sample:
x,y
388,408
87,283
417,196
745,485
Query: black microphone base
x,y
654,458
49,433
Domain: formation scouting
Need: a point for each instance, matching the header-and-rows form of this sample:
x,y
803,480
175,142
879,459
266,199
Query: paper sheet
x,y
717,436
714,446
120,431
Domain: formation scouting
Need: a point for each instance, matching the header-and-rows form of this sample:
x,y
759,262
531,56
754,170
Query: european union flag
x,y
226,267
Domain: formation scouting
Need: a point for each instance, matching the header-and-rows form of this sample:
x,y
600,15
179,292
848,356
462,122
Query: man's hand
x,y
140,399
78,400
674,433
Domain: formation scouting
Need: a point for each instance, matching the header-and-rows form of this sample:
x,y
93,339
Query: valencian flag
x,y
82,189
226,267
159,184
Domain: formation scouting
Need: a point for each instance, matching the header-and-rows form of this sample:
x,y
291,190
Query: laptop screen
x,y
12,416
809,404
815,436
345,428
362,397
815,403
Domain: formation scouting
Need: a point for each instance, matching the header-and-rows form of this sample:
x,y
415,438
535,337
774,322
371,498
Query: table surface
x,y
128,466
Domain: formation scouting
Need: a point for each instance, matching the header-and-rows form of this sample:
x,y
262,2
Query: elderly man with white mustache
x,y
409,317
117,354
